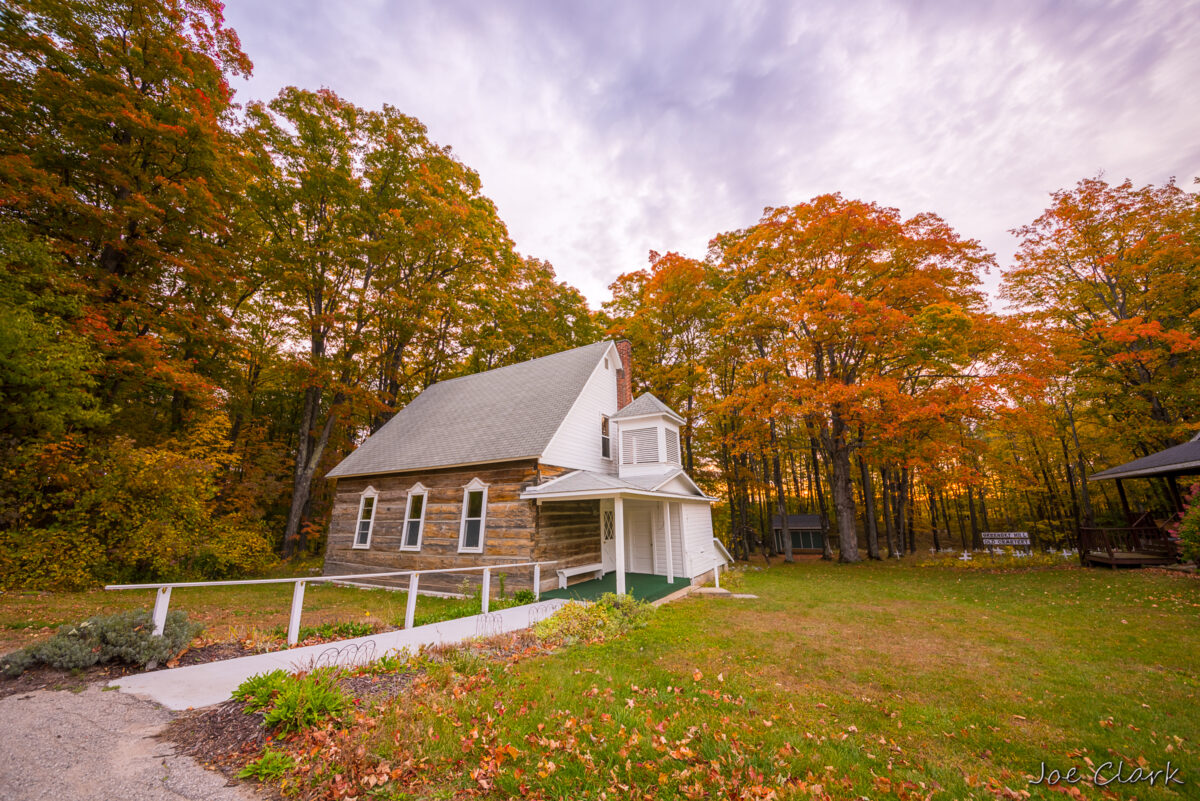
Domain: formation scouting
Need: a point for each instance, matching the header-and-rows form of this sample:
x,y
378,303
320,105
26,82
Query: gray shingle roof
x,y
588,481
508,413
644,404
1181,460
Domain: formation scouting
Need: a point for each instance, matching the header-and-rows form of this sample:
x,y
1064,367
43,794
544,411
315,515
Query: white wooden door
x,y
639,537
608,536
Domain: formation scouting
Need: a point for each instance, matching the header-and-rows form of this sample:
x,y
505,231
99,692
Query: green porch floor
x,y
642,586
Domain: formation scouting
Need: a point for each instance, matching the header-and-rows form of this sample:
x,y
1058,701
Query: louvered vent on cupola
x,y
639,446
672,446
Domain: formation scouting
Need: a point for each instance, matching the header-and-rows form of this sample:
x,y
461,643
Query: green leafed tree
x,y
375,235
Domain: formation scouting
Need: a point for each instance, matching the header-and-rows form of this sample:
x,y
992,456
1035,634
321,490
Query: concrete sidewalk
x,y
203,685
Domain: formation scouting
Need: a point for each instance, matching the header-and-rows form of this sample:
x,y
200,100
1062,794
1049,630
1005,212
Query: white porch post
x,y
619,524
670,548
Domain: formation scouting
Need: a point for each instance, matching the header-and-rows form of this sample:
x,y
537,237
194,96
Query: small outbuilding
x,y
807,532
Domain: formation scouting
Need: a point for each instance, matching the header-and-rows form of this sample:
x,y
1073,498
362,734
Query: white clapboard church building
x,y
551,460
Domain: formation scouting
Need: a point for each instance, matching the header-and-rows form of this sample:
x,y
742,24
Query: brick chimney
x,y
624,374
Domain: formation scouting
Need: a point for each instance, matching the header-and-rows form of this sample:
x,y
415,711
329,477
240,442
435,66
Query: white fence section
x,y
162,592
212,682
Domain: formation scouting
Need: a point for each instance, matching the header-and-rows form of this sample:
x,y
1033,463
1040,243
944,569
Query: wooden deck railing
x,y
1143,538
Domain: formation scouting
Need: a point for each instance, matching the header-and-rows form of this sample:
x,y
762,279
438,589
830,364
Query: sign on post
x,y
1005,539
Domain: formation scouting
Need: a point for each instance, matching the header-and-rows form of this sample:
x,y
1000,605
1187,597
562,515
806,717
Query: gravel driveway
x,y
97,745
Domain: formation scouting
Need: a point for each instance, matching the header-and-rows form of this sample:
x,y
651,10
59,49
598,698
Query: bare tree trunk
x,y
826,547
907,505
976,539
946,517
889,522
309,450
843,501
962,528
869,511
937,544
1085,499
780,503
983,512
795,475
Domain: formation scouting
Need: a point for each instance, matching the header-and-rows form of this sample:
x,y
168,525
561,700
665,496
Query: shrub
x,y
610,616
301,702
48,557
232,549
259,690
16,663
124,637
86,513
1189,532
273,765
628,612
67,650
129,637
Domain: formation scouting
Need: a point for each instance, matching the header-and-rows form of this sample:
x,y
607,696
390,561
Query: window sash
x,y
471,534
414,522
366,520
474,504
470,537
605,438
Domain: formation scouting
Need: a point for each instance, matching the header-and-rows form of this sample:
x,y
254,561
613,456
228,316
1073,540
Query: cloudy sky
x,y
604,130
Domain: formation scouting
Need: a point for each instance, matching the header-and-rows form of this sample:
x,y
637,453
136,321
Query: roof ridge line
x,y
518,364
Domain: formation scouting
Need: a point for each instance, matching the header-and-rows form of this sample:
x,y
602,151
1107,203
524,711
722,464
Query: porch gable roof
x,y
585,483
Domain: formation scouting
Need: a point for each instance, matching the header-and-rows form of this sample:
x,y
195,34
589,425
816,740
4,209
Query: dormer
x,y
647,437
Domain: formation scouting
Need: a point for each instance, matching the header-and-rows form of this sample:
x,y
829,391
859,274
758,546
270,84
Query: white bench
x,y
578,570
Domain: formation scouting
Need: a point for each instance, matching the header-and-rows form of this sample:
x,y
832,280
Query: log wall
x,y
515,530
569,534
508,528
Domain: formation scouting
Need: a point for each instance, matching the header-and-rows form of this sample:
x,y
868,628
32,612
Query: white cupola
x,y
647,437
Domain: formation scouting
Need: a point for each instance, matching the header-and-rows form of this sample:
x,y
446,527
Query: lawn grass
x,y
870,681
253,612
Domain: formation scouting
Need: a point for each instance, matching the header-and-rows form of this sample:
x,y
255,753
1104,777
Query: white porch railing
x,y
162,594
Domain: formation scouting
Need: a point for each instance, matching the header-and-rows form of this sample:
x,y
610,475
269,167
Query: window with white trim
x,y
474,517
605,438
414,519
366,518
639,446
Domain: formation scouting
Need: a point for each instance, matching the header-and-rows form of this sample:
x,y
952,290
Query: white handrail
x,y
725,551
717,562
162,595
311,578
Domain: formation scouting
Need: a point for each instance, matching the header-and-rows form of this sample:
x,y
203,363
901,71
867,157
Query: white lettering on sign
x,y
999,538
